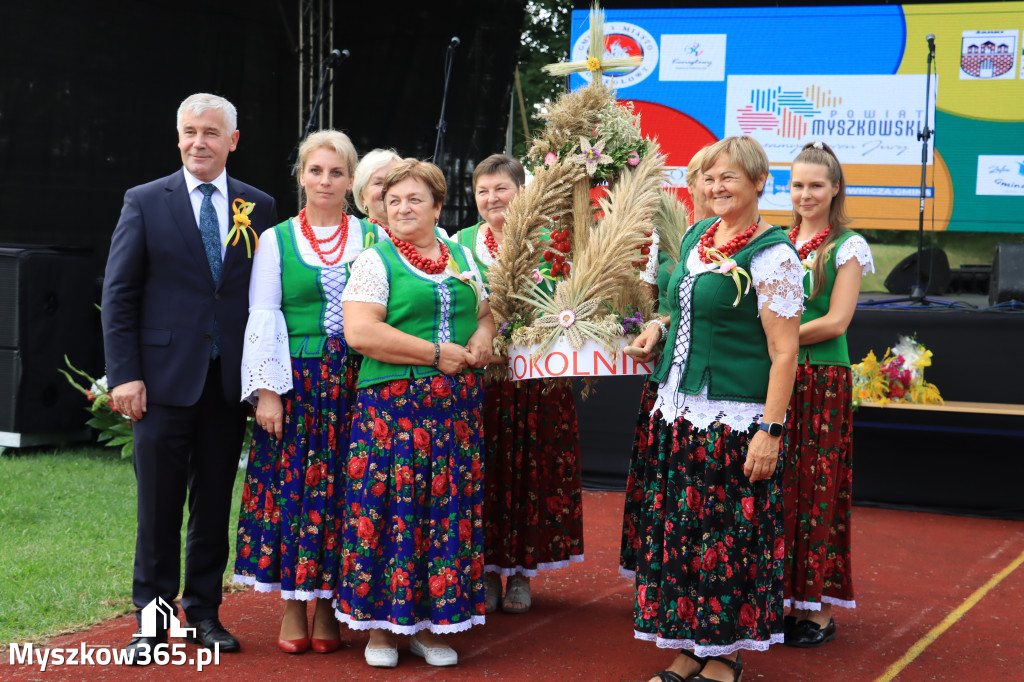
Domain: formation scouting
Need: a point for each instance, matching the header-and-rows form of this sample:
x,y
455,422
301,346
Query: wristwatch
x,y
774,429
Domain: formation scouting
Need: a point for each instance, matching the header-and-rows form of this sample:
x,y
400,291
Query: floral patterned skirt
x,y
533,490
818,486
709,563
292,504
634,490
412,547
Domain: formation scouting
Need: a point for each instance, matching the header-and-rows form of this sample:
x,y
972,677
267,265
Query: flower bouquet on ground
x,y
586,290
898,378
115,429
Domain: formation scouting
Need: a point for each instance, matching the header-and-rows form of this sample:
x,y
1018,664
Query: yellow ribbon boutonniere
x,y
727,266
242,226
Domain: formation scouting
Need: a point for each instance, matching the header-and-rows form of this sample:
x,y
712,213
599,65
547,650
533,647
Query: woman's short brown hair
x,y
430,174
746,152
496,164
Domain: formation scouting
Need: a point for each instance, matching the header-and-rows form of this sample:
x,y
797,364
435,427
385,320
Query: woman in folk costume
x,y
709,566
818,473
300,373
533,507
412,548
665,265
368,182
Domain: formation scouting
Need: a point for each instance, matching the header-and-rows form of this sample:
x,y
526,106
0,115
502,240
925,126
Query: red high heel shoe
x,y
294,646
325,646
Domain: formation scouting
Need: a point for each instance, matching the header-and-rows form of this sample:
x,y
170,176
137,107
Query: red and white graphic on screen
x,y
986,59
621,45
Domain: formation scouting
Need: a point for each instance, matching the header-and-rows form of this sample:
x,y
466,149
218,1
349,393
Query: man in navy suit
x,y
175,303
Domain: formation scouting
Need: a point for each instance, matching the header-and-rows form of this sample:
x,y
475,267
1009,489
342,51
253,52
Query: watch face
x,y
775,429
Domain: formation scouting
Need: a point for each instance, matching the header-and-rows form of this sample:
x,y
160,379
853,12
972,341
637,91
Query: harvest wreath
x,y
569,271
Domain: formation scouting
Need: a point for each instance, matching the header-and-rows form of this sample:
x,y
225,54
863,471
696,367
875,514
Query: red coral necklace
x,y
341,234
381,226
812,244
491,243
431,267
707,241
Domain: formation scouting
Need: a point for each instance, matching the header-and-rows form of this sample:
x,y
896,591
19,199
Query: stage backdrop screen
x,y
853,77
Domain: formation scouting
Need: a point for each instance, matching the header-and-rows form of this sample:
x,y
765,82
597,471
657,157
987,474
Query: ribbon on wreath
x,y
727,266
242,226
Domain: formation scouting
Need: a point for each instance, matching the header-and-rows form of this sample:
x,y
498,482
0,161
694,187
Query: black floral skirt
x,y
710,547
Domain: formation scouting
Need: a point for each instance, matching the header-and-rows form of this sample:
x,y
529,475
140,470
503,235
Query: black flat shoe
x,y
789,626
671,676
737,669
210,634
809,635
140,650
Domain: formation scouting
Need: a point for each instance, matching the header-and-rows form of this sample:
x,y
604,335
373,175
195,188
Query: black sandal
x,y
670,676
737,669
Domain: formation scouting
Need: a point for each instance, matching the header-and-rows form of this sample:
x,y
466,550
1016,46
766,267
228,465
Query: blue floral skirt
x,y
412,547
710,556
292,508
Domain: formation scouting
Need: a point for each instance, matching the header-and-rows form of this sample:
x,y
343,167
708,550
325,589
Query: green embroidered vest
x,y
728,350
415,306
303,300
830,351
467,237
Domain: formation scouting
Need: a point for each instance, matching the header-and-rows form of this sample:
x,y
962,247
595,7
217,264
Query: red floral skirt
x,y
817,485
533,483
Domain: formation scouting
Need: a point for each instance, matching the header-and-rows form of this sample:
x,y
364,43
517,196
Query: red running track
x,y
911,571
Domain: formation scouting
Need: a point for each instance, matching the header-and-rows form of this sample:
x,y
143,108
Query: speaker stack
x,y
1007,283
47,311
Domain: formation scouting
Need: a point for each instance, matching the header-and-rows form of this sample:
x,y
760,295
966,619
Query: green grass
x,y
67,540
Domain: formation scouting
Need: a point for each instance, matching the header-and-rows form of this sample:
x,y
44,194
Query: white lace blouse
x,y
777,277
369,280
853,247
266,358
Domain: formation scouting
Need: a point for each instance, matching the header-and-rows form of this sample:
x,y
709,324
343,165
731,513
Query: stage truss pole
x,y
316,40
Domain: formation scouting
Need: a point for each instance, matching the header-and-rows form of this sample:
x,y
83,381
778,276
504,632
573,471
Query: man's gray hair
x,y
202,102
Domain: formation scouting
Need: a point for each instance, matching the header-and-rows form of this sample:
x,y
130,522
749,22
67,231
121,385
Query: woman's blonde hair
x,y
371,162
822,155
746,152
336,141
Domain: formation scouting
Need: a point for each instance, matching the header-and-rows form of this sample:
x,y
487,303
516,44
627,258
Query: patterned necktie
x,y
209,228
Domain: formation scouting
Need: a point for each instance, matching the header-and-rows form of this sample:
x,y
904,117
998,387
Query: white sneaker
x,y
434,655
381,658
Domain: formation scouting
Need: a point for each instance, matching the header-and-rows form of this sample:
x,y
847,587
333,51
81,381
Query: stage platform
x,y
935,601
951,461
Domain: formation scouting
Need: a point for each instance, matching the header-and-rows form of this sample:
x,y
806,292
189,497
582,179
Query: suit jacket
x,y
160,300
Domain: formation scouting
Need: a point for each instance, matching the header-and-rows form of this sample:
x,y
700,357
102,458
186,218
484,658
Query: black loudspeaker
x,y
935,273
1007,273
47,311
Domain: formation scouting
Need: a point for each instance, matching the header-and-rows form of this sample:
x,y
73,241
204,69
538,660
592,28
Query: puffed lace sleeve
x,y
777,275
856,247
650,273
368,280
266,359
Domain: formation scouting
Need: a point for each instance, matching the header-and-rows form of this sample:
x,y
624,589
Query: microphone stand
x,y
326,67
449,59
917,292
